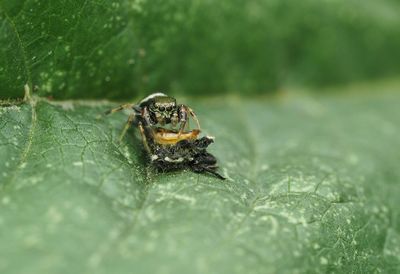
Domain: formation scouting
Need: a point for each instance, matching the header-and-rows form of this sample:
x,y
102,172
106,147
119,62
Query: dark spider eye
x,y
169,108
161,108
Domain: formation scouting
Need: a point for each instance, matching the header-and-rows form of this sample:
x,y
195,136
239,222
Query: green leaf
x,y
312,187
127,48
61,46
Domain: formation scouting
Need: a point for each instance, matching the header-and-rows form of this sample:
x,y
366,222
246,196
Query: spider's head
x,y
164,108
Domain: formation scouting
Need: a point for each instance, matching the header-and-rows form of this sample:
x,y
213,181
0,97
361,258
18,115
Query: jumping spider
x,y
170,149
157,109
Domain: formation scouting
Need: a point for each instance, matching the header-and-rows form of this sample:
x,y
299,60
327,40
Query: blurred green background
x,y
124,49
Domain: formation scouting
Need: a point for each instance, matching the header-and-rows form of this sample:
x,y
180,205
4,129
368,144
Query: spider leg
x,y
128,124
183,119
188,125
146,119
144,138
194,117
121,107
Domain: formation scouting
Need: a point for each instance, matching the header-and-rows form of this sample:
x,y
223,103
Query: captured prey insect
x,y
170,148
169,151
157,109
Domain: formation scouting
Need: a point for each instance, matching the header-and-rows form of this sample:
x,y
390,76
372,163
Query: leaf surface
x,y
313,186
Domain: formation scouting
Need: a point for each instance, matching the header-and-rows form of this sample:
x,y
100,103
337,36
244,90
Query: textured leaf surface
x,y
313,186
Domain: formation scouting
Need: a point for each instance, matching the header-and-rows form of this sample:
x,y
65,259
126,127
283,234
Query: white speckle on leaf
x,y
226,175
264,167
375,209
90,162
67,105
5,200
127,154
154,234
189,199
10,108
77,163
82,213
323,260
95,259
114,233
150,214
35,180
353,159
31,240
274,224
54,215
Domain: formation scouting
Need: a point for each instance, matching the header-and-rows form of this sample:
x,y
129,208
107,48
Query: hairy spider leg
x,y
183,119
121,107
144,139
128,124
146,116
194,117
184,110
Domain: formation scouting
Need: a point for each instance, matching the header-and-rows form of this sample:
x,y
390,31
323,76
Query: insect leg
x,y
128,124
121,107
213,172
210,170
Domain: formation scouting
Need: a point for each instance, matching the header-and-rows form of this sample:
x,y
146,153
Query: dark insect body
x,y
188,153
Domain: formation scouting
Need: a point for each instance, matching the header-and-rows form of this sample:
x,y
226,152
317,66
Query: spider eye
x,y
169,108
161,108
